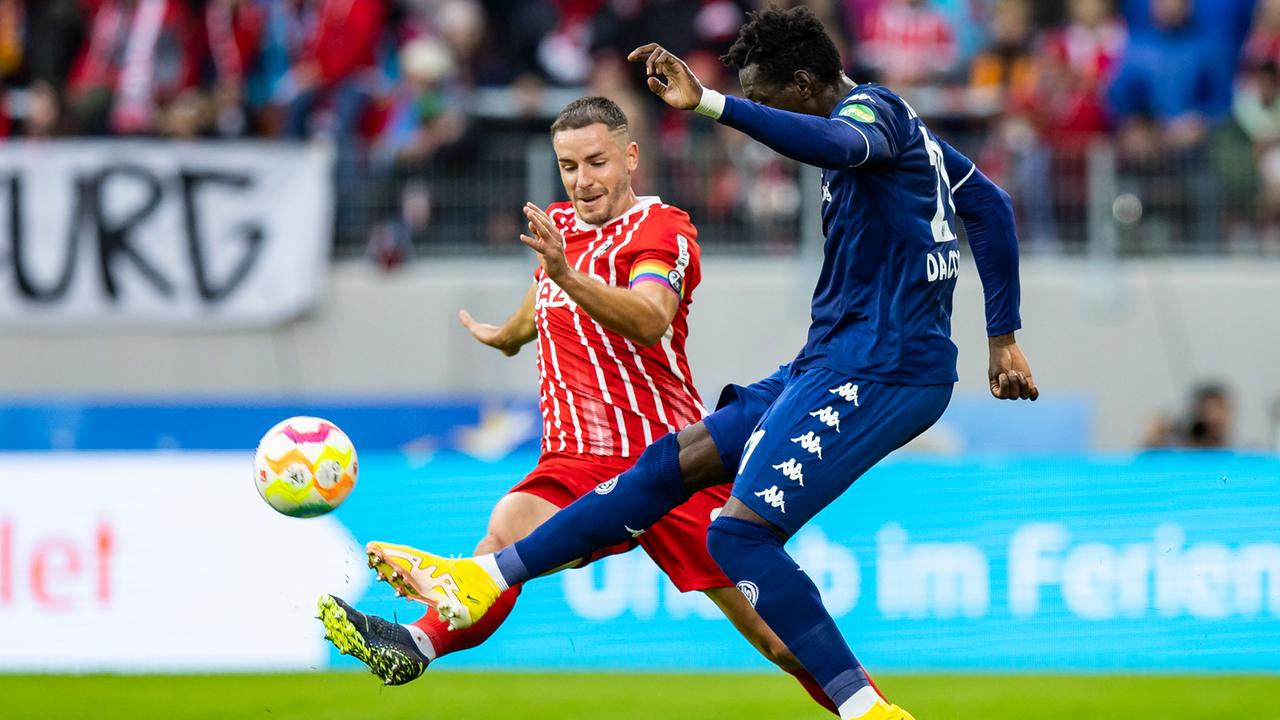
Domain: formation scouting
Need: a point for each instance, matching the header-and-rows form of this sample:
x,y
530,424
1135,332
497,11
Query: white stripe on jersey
x,y
608,346
674,363
603,428
551,389
653,388
965,179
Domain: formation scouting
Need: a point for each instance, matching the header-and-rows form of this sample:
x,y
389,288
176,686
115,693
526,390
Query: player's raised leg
x,y
665,476
822,433
400,653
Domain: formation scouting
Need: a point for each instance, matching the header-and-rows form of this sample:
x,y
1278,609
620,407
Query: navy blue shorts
x,y
807,435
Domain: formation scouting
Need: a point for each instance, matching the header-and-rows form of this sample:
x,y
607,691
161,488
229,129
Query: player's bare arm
x,y
518,331
1009,372
641,314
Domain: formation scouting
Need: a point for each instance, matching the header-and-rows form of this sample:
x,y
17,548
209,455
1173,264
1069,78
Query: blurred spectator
x,y
235,29
1256,111
907,43
1263,44
1002,83
425,132
1223,25
338,65
1166,100
1004,75
1075,64
140,55
1208,423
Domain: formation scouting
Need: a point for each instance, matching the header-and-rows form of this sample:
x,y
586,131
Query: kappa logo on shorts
x,y
775,498
634,533
606,487
793,470
750,591
828,415
810,441
848,391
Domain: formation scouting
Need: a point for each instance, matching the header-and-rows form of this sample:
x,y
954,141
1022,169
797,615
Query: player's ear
x,y
803,82
633,156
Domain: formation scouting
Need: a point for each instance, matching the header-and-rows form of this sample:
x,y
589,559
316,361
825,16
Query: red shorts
x,y
677,543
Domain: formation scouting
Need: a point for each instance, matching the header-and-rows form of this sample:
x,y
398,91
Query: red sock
x,y
448,641
815,690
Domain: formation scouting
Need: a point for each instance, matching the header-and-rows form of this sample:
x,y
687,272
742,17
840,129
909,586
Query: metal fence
x,y
1095,199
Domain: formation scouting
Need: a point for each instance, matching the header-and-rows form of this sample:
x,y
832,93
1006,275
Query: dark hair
x,y
780,42
588,111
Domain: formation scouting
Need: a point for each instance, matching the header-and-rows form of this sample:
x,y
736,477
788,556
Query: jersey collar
x,y
641,204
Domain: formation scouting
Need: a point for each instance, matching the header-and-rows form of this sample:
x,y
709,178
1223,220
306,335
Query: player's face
x,y
790,97
596,167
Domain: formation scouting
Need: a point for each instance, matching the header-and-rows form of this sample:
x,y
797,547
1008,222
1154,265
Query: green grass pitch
x,y
464,696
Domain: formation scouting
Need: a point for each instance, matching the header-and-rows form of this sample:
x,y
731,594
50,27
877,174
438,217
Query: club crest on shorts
x,y
607,486
749,591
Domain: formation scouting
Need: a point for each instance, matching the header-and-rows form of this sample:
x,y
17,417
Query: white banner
x,y
145,233
160,562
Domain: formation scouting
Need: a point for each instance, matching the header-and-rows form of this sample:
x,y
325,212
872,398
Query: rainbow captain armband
x,y
658,272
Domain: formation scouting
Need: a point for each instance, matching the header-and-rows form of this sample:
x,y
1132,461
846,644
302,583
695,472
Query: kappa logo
x,y
826,192
810,441
775,498
634,533
828,415
607,486
792,470
750,591
848,391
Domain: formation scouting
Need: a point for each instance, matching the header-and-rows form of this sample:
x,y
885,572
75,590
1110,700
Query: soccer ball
x,y
305,467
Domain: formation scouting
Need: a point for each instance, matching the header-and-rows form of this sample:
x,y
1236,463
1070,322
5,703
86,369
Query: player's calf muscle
x,y
700,465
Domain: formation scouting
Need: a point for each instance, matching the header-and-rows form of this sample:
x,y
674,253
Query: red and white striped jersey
x,y
601,394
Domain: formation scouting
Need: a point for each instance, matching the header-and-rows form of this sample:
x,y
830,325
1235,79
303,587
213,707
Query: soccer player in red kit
x,y
608,309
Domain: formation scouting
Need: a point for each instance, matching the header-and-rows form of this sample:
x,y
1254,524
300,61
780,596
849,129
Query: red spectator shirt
x,y
909,44
600,393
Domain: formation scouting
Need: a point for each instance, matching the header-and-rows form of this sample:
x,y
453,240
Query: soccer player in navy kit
x,y
877,369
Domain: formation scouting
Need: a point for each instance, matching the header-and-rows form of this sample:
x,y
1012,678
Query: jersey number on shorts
x,y
752,442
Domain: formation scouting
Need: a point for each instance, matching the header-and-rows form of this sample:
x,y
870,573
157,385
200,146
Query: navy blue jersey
x,y
882,305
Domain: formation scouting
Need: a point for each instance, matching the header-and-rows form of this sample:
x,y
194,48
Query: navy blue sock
x,y
752,556
614,513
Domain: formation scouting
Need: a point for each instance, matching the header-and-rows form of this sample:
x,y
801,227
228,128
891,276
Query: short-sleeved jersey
x,y
882,305
601,394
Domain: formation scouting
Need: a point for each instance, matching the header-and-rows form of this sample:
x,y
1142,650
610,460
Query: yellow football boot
x,y
459,589
882,710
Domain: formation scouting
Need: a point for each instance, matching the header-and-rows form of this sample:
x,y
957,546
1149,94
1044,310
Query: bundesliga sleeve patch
x,y
858,111
659,272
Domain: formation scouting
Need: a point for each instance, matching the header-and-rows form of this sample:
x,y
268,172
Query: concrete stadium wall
x,y
1133,335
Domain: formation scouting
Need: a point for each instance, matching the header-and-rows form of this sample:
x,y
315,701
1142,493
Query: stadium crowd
x,y
428,100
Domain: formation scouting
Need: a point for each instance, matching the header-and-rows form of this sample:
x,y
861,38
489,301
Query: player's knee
x,y
734,544
723,544
658,467
700,464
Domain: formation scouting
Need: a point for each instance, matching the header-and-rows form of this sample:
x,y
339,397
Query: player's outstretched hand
x,y
681,90
1009,371
545,240
491,335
